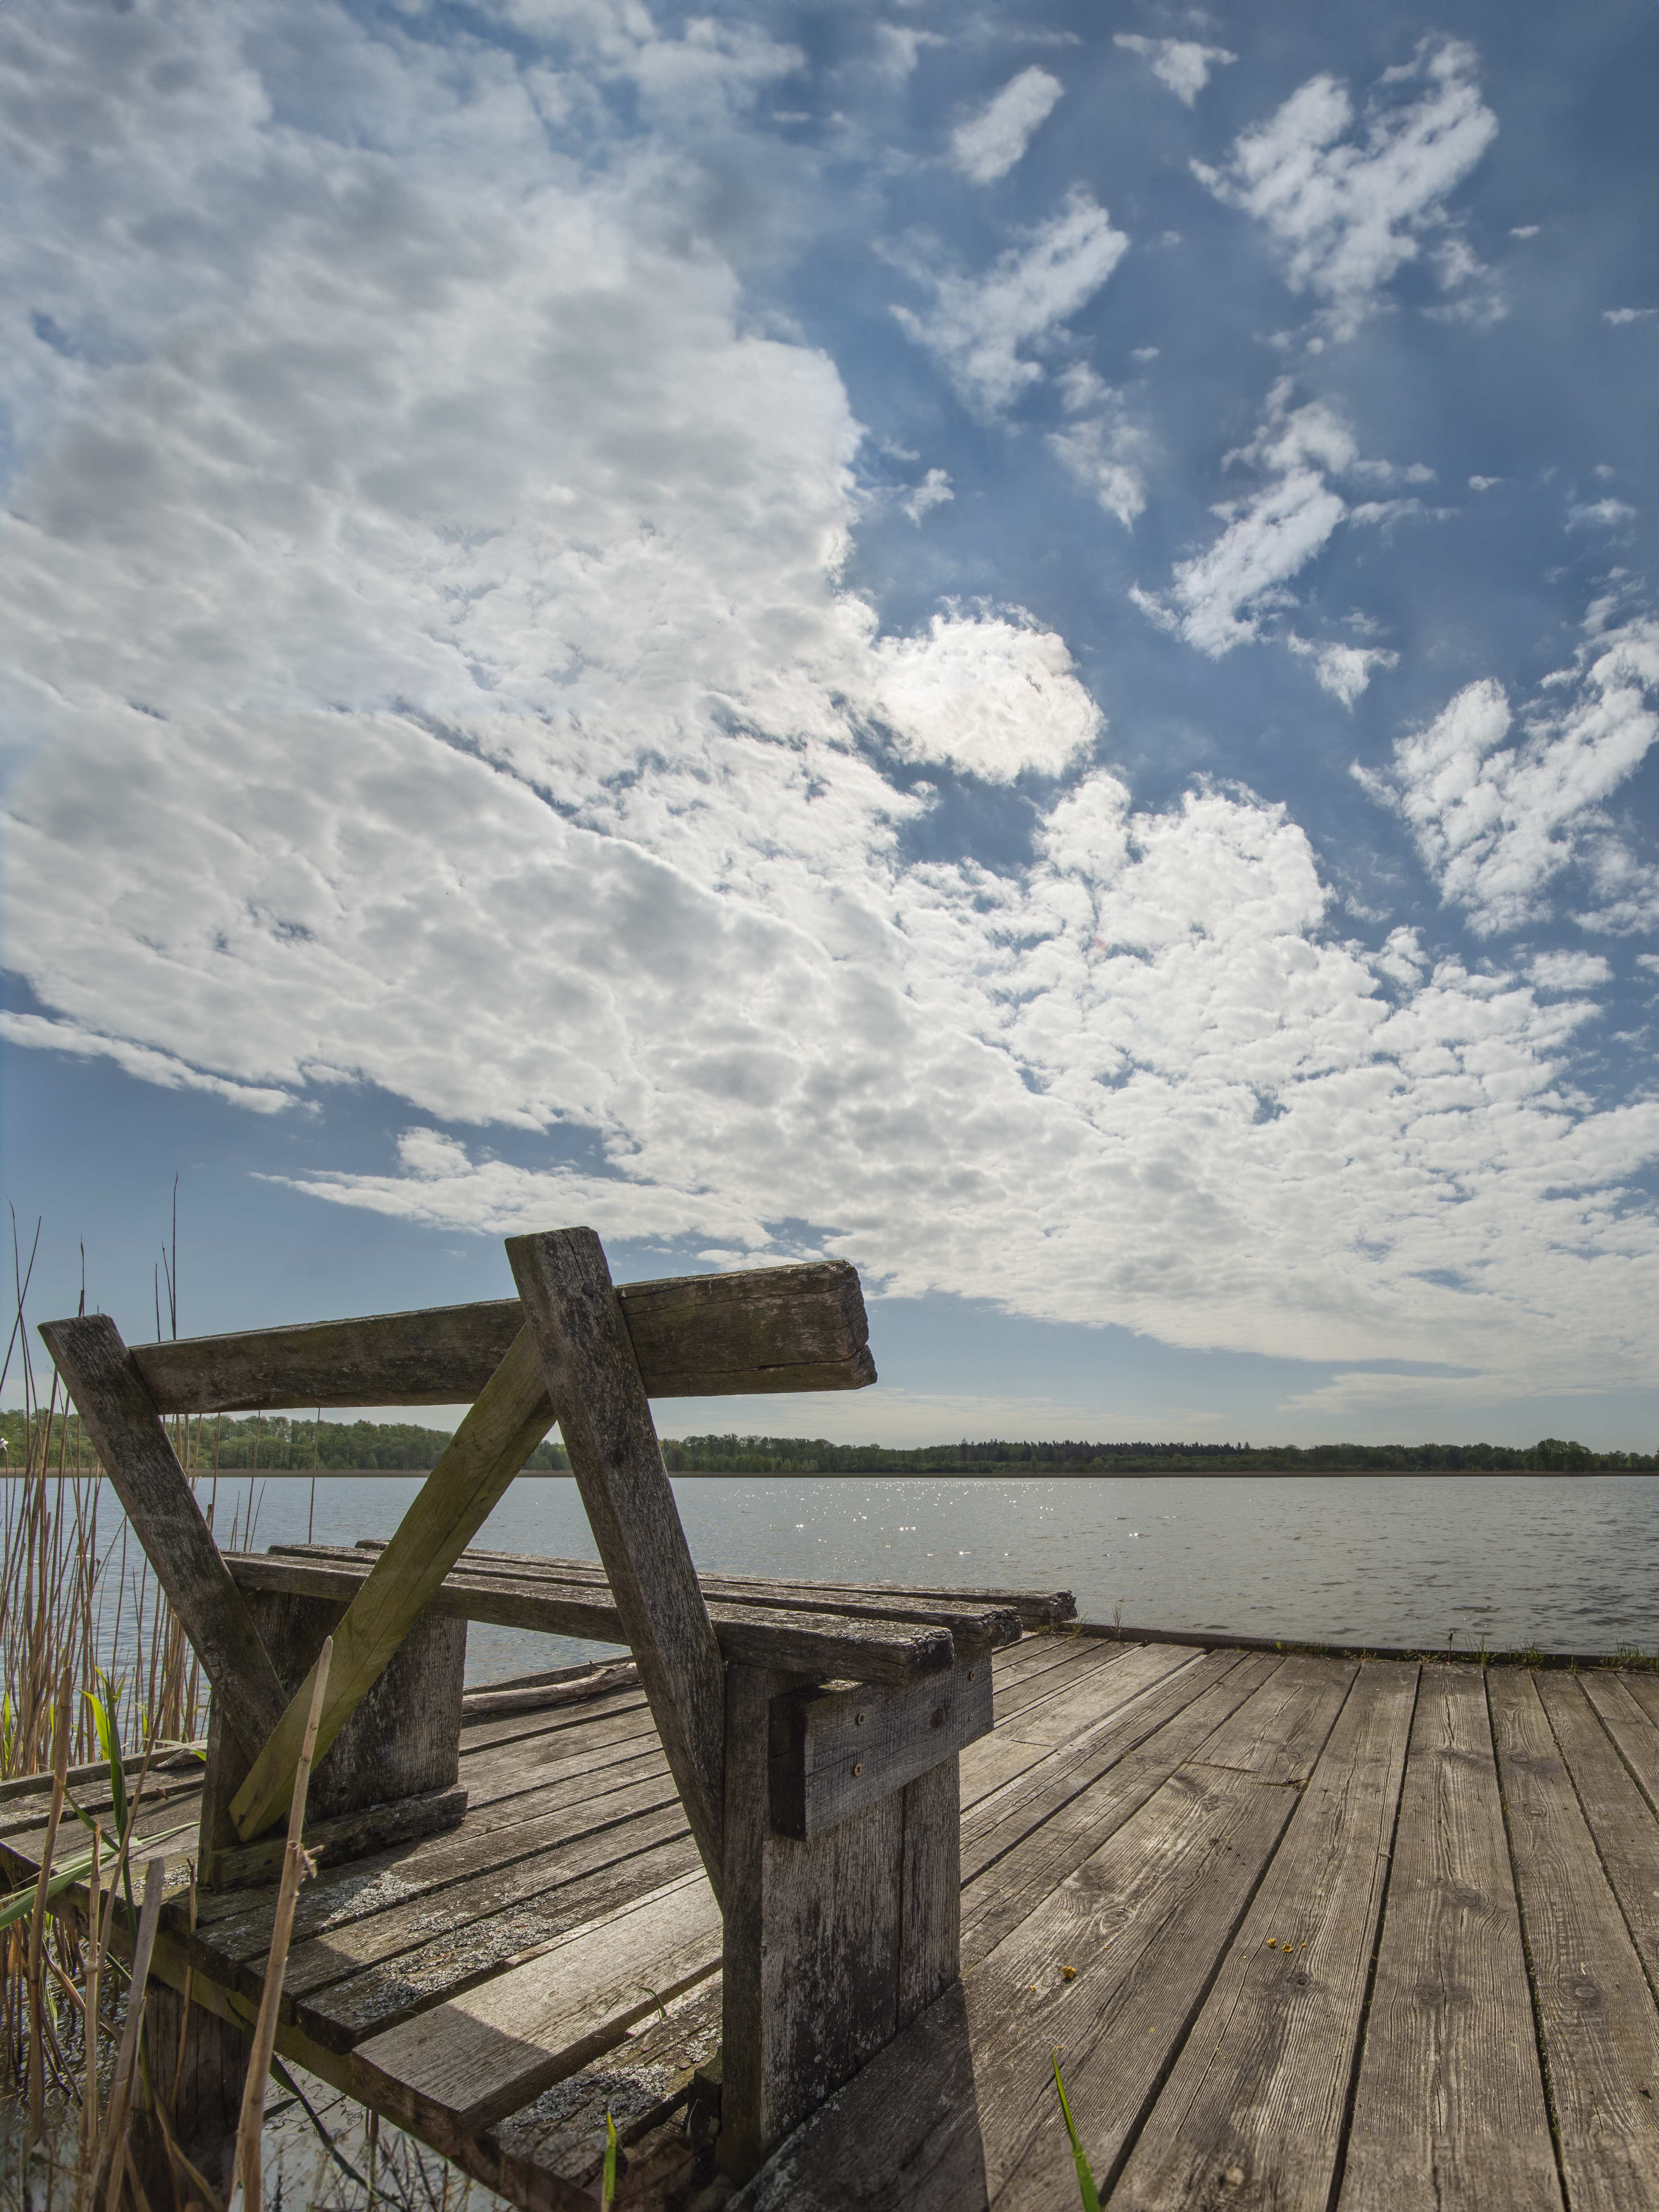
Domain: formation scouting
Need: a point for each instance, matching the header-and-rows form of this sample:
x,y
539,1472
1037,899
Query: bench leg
x,y
203,2095
400,1749
832,1943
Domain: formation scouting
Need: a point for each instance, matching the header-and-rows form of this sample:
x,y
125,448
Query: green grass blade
x,y
608,2192
1086,2180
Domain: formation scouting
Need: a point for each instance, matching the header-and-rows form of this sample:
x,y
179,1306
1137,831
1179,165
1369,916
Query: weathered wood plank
x,y
767,1329
498,1435
1075,1704
564,1283
975,1629
813,1938
820,1643
903,2136
1076,1664
455,2069
1253,2110
1619,1817
143,1469
1011,1860
595,1876
1595,2011
1035,1609
1449,2108
997,1762
1140,1924
1626,1722
560,2138
930,1889
355,1835
835,1750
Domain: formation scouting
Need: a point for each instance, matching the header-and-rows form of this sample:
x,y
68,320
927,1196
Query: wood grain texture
x,y
1254,2112
561,2136
1142,1923
813,1932
834,1750
766,1329
823,1644
903,2136
980,1628
1618,1815
346,1837
605,1420
1449,2107
930,1889
145,1472
499,1433
1596,2012
1038,1844
475,2058
1627,1723
402,1742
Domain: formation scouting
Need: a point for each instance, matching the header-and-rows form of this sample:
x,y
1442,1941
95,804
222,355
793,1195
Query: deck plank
x,y
1032,1849
1619,1817
1626,1722
1449,2107
1254,2111
996,1762
1085,1658
475,2058
1142,1924
1595,2011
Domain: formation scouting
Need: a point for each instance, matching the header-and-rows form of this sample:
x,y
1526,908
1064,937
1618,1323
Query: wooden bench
x,y
812,1731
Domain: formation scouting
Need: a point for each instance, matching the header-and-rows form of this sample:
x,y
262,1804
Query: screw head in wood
x,y
858,1767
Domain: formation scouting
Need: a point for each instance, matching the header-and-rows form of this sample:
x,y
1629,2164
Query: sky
x,y
1015,643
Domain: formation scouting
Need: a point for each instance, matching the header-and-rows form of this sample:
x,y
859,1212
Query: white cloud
x,y
1344,671
991,696
1618,315
1179,63
429,626
1349,211
934,490
982,325
1484,483
1608,512
1103,452
164,1069
1216,600
1497,822
1571,972
987,145
1524,230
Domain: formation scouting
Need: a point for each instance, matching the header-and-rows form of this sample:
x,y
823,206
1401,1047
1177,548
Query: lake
x,y
1566,1563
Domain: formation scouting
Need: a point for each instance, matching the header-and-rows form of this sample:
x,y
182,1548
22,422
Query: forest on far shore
x,y
275,1444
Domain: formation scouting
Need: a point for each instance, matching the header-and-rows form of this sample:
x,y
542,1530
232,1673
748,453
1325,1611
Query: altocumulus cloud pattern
x,y
1017,649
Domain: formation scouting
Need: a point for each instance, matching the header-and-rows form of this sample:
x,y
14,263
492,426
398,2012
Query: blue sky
x,y
1016,643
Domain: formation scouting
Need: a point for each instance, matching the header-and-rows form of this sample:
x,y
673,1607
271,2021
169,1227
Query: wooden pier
x,y
1305,1931
811,1897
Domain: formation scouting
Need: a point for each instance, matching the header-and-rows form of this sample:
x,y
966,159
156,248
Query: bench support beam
x,y
605,1418
834,1941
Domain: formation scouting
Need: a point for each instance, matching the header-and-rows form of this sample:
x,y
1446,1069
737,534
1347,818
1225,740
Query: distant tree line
x,y
734,1454
274,1444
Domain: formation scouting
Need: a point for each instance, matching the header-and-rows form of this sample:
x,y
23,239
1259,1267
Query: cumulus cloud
x,y
1344,671
934,490
1496,822
989,695
1216,600
1607,514
1349,205
1180,64
432,633
988,144
164,1069
1571,972
1101,448
1617,316
980,327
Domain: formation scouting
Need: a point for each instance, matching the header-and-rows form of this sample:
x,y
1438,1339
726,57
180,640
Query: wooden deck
x,y
1306,1933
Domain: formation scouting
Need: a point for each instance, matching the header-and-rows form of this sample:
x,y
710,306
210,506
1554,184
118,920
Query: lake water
x,y
1569,1564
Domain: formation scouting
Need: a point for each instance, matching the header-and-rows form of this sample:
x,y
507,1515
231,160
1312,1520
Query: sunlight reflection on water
x,y
1566,1563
